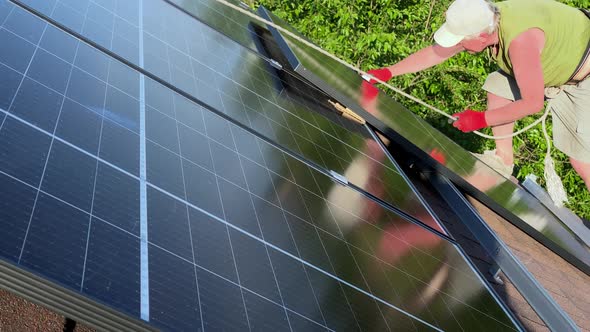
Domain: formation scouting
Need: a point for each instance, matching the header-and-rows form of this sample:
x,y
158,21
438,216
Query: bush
x,y
376,33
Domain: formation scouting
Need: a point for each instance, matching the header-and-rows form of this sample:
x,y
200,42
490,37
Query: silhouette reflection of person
x,y
398,238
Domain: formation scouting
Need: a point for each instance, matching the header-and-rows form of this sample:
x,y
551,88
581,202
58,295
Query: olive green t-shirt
x,y
567,33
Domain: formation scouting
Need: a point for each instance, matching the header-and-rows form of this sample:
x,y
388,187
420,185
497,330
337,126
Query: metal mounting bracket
x,y
339,178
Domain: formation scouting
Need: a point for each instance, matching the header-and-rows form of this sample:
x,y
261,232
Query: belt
x,y
583,69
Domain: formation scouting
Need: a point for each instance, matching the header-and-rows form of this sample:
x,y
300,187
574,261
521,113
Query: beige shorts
x,y
570,108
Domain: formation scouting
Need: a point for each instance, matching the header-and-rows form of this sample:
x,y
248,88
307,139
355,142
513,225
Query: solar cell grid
x,y
112,24
195,228
97,274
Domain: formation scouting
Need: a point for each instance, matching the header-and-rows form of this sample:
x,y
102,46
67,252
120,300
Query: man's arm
x,y
425,58
525,55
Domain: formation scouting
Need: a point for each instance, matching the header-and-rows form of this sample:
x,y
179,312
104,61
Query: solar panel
x,y
388,114
128,193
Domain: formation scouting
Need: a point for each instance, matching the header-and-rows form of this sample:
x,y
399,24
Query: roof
x,y
18,314
567,285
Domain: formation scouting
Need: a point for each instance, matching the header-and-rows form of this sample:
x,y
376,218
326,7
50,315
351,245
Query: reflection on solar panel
x,y
395,120
190,217
223,19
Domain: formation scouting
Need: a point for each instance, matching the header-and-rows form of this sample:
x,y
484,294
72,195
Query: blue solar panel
x,y
126,192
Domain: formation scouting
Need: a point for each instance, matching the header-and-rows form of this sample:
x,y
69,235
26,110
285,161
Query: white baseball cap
x,y
464,18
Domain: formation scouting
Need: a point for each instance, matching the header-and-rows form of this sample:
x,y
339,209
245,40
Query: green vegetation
x,y
376,33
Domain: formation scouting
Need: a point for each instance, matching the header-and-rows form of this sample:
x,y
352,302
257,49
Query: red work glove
x,y
437,155
382,73
470,120
369,91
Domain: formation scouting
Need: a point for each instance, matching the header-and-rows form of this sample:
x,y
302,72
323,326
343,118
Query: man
x,y
541,47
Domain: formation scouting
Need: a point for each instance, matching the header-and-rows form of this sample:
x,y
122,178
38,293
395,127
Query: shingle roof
x,y
20,315
568,286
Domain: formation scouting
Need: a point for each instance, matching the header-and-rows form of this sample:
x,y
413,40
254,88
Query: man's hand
x,y
368,90
382,73
470,120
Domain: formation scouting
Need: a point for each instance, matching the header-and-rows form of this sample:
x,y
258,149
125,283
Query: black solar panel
x,y
126,192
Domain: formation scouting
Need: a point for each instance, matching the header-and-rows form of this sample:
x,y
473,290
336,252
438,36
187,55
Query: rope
x,y
367,75
553,182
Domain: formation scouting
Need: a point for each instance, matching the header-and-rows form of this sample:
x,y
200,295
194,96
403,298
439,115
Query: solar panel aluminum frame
x,y
582,263
66,302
